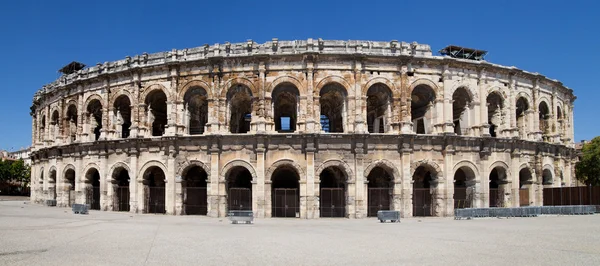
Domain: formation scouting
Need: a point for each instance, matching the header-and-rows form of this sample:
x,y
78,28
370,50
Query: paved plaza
x,y
38,235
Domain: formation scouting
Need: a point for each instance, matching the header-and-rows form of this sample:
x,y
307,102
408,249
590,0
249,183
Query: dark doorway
x,y
380,191
194,187
93,189
422,191
285,194
333,192
239,188
70,186
154,186
464,188
496,192
121,190
156,112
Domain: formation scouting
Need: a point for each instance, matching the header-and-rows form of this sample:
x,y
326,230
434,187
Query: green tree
x,y
4,171
20,172
587,169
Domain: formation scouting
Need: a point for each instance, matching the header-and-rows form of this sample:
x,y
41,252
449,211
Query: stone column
x,y
104,180
213,191
258,193
448,123
407,181
311,194
360,182
133,184
312,121
170,193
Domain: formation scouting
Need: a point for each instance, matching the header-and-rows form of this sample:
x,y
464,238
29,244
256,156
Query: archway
x,y
239,189
70,186
333,108
544,118
42,128
92,184
71,123
424,186
332,192
94,119
379,108
55,126
547,179
154,190
525,181
156,112
495,105
120,183
285,107
194,191
421,110
464,188
239,106
497,186
285,192
380,191
521,110
122,114
52,184
461,101
196,110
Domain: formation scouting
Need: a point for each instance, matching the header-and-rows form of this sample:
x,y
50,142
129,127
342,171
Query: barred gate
x,y
523,197
286,202
496,197
240,199
463,197
378,200
195,201
92,197
121,199
155,199
332,202
422,202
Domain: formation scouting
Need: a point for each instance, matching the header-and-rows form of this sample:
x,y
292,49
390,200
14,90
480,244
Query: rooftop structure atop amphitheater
x,y
310,128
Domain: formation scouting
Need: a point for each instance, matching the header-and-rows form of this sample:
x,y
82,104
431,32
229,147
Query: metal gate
x,y
155,199
333,202
463,197
378,199
422,202
71,199
496,197
240,199
92,197
523,197
195,201
121,199
285,202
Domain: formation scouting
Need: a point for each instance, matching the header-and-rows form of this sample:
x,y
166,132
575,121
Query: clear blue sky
x,y
559,39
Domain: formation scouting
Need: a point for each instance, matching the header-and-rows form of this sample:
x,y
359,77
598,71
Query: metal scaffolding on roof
x,y
463,52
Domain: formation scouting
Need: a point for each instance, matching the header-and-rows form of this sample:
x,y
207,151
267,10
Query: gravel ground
x,y
38,235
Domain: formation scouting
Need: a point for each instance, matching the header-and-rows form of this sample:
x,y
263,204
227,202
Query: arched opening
x,y
196,110
424,185
544,117
379,108
42,128
525,181
285,107
156,112
94,119
194,191
239,105
120,183
559,118
380,191
55,122
239,189
71,123
495,105
70,186
421,111
461,101
92,185
285,192
547,177
522,107
122,114
464,188
333,192
154,190
333,108
52,184
496,186
41,180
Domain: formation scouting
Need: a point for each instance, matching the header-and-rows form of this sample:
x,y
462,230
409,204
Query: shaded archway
x,y
332,200
92,188
70,186
194,191
525,185
333,102
94,118
544,118
122,116
379,108
154,190
71,123
464,187
285,107
55,125
239,107
461,101
421,110
285,194
239,189
156,112
497,182
52,184
495,105
547,179
521,114
424,186
120,183
195,110
42,128
380,191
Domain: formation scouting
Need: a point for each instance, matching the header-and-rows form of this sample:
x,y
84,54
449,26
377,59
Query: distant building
x,y
22,154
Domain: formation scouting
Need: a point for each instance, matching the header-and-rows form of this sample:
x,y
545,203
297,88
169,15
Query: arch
x,y
238,81
68,103
385,164
41,176
423,81
50,170
286,79
116,166
285,103
88,167
500,164
123,92
428,164
187,165
194,83
149,164
547,174
332,79
466,163
470,91
151,88
91,98
284,162
234,163
67,168
336,163
380,80
525,96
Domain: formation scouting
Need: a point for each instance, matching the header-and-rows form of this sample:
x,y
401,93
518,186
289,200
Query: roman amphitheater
x,y
310,128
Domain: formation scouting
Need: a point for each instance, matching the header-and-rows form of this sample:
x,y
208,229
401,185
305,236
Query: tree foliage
x,y
587,169
15,171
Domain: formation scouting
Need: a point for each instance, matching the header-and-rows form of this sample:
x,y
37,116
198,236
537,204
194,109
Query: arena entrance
x,y
379,191
70,186
52,184
423,191
239,189
285,194
464,188
194,191
496,190
525,181
120,183
154,190
93,189
333,192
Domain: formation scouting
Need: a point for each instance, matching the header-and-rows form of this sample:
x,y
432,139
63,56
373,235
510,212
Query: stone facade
x,y
357,112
